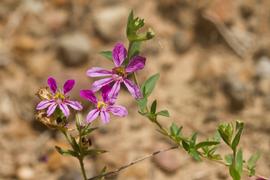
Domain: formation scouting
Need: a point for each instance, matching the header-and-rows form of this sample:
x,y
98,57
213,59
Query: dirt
x,y
214,61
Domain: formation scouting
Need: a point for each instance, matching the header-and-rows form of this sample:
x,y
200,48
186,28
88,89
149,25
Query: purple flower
x,y
103,108
59,98
119,74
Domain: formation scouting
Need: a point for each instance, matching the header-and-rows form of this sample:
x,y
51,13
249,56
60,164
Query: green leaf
x,y
239,128
206,143
74,144
149,85
239,162
175,130
107,54
164,113
154,107
93,152
66,152
229,159
234,174
251,163
185,145
87,130
142,103
193,140
195,154
134,49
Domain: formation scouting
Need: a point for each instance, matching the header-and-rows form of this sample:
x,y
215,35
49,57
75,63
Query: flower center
x,y
101,105
120,71
59,95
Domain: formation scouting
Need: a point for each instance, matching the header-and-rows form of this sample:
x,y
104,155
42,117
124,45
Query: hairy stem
x,y
132,163
82,168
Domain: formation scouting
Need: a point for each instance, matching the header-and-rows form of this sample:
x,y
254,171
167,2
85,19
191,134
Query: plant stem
x,y
82,167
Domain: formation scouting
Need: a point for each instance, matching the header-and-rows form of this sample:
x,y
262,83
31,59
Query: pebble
x,y
25,172
263,67
73,49
182,41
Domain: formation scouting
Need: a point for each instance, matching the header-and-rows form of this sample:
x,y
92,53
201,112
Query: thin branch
x,y
133,163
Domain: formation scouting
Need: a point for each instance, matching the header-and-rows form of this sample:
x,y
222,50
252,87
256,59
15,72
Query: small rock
x,y
182,41
170,161
236,92
25,173
263,67
73,49
110,22
56,19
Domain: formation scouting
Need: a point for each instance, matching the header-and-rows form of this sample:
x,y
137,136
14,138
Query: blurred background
x,y
214,61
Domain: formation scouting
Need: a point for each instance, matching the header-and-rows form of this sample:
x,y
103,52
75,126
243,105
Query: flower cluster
x,y
109,87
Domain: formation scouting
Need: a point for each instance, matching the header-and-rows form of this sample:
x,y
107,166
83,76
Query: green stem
x,y
82,167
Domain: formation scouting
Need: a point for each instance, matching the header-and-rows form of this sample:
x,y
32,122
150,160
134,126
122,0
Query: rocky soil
x,y
214,60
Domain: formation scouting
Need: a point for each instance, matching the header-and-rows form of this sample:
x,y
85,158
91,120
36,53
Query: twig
x,y
132,163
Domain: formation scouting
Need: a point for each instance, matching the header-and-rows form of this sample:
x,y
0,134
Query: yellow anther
x,y
101,104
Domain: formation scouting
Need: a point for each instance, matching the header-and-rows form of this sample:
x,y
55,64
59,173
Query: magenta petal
x,y
105,90
105,117
92,115
100,83
133,89
74,104
52,84
44,104
51,109
68,85
119,54
64,109
98,72
118,110
135,64
112,96
89,95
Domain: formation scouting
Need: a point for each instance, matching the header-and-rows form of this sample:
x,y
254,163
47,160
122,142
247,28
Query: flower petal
x,y
112,96
105,117
92,115
89,95
119,54
44,104
100,83
68,85
64,109
98,72
74,104
52,84
133,89
135,64
51,109
118,110
105,90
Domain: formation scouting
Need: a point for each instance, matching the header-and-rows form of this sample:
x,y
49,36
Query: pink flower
x,y
59,98
119,74
103,108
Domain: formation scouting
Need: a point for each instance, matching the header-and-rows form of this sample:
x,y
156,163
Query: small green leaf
x,y
149,85
107,54
66,152
74,144
229,159
164,113
239,162
239,128
251,164
234,174
175,130
195,154
93,152
134,49
193,140
142,103
185,145
206,143
154,107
